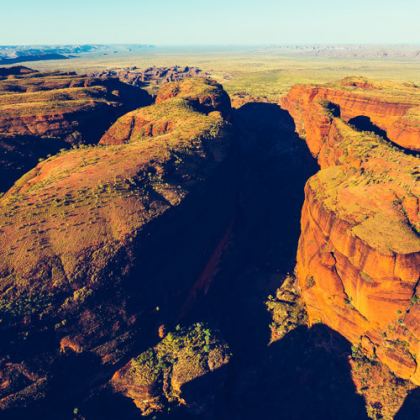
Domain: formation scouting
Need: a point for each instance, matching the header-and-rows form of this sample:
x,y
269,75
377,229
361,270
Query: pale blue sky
x,y
168,22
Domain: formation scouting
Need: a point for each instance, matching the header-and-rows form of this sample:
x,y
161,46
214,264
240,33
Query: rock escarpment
x,y
76,109
151,76
390,107
159,120
42,113
96,248
359,252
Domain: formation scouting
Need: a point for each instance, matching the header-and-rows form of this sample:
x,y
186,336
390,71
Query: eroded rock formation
x,y
42,113
96,243
76,109
151,76
155,378
105,248
387,106
358,260
150,122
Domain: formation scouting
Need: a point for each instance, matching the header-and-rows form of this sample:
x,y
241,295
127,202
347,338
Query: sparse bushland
x,y
384,393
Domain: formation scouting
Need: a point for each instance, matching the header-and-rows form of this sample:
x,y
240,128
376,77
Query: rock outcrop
x,y
156,378
388,107
212,98
358,261
76,109
97,241
15,70
42,113
151,76
159,120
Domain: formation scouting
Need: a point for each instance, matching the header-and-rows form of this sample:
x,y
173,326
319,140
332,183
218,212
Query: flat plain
x,y
259,72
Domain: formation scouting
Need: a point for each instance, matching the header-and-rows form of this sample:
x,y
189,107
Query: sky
x,y
212,22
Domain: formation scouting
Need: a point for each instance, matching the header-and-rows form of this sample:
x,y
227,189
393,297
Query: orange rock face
x,y
390,107
142,123
358,262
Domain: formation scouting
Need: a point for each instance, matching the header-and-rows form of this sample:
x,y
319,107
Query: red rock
x,y
358,260
393,108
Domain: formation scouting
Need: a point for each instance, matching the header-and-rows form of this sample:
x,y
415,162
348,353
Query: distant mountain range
x,y
11,54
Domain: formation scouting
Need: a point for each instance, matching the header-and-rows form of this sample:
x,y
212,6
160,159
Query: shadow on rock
x,y
411,407
305,375
19,154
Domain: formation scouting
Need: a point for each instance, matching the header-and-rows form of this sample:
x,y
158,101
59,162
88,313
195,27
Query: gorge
x,y
176,257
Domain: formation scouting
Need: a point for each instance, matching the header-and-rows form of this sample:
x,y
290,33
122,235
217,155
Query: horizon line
x,y
271,44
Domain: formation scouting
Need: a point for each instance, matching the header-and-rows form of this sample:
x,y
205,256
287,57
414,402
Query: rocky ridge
x,y
152,76
76,109
42,113
389,109
174,221
359,253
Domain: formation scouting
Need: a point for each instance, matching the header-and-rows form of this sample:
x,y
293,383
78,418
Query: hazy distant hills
x,y
350,51
25,53
11,54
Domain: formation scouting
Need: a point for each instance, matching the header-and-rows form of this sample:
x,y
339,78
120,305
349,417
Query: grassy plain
x,y
256,71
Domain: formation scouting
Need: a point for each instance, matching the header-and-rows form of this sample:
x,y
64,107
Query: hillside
x,y
116,202
41,113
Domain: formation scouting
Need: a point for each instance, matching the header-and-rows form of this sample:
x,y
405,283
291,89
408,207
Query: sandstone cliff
x,y
77,109
42,113
358,261
390,107
159,120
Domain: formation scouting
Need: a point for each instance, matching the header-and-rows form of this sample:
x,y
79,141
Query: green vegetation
x,y
286,308
370,168
182,356
12,309
415,300
195,342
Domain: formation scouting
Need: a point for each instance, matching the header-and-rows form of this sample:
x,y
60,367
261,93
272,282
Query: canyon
x,y
166,254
